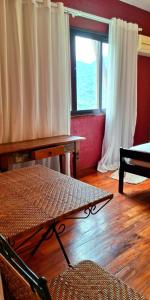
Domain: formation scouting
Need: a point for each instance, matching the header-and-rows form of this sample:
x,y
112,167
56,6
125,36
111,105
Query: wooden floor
x,y
117,238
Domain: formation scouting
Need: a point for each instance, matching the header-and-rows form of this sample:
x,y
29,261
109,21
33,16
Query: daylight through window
x,y
89,71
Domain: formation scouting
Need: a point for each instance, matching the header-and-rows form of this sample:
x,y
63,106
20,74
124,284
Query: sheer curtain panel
x,y
121,102
34,70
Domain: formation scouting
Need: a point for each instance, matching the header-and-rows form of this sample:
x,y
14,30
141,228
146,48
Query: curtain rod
x,y
82,14
79,13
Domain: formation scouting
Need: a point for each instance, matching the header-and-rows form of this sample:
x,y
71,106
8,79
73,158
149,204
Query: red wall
x,y
92,127
142,132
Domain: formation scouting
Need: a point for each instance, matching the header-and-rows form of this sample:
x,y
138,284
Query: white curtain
x,y
121,102
34,70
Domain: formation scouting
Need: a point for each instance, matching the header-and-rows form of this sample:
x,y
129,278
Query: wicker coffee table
x,y
37,197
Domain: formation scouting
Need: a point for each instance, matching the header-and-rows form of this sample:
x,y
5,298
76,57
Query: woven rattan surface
x,y
88,281
15,287
34,196
85,281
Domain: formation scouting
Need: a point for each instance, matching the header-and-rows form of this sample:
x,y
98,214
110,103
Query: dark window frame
x,y
103,38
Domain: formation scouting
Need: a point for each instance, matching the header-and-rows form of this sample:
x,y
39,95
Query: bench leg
x,y
121,177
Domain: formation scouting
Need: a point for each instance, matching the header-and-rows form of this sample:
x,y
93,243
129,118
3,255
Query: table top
x,y
34,196
38,143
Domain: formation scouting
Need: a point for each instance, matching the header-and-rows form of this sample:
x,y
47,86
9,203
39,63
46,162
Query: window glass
x,y
89,54
87,59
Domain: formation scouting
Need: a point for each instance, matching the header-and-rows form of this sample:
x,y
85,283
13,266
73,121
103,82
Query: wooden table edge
x,y
59,218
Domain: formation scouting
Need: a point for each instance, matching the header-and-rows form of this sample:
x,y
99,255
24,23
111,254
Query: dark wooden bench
x,y
127,157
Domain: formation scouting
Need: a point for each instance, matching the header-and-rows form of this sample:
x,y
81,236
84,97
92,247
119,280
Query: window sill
x,y
87,114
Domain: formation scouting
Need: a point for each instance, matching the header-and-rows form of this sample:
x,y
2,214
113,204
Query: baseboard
x,y
87,171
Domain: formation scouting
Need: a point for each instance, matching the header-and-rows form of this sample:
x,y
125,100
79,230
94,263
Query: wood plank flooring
x,y
117,238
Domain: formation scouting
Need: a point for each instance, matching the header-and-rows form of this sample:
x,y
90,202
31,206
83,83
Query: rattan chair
x,y
84,281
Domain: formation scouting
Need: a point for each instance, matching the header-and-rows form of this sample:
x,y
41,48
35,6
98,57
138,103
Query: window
x,y
89,58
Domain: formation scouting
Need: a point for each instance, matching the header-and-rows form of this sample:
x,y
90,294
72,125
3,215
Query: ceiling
x,y
143,4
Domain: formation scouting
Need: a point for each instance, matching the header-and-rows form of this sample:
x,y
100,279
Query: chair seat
x,y
85,281
89,281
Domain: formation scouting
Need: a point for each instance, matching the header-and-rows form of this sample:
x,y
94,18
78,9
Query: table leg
x,y
61,245
4,163
52,229
27,239
43,238
62,163
76,166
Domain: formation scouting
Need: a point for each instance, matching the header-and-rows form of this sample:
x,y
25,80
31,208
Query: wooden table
x,y
38,149
34,197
